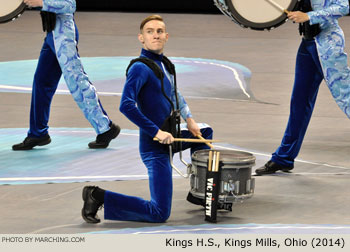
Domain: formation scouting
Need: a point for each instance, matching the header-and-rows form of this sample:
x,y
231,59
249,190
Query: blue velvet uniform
x,y
59,55
145,105
318,59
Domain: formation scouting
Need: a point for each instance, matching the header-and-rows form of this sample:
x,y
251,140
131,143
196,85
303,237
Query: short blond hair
x,y
150,18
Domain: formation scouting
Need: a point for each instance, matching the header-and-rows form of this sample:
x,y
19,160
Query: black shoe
x,y
102,140
30,142
271,167
91,206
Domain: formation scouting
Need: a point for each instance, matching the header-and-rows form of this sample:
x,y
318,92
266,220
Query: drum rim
x,y
14,14
249,159
260,26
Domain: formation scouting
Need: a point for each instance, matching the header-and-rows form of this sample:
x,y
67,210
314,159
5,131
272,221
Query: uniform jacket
x,y
330,46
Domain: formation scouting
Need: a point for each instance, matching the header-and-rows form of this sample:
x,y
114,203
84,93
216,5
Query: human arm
x,y
193,127
298,16
186,113
56,6
164,137
59,6
336,9
34,3
137,77
183,107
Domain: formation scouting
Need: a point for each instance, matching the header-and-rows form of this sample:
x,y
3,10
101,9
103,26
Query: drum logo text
x,y
209,196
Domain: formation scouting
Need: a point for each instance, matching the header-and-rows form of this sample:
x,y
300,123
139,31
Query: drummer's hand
x,y
193,127
34,3
298,16
164,137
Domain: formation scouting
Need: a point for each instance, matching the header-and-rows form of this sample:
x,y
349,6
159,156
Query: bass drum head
x,y
10,9
260,15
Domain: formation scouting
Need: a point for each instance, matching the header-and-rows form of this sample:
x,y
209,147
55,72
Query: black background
x,y
194,6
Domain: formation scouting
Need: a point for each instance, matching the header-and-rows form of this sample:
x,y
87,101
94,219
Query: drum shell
x,y
13,13
235,178
228,8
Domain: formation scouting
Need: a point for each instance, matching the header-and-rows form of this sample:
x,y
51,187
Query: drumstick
x,y
190,140
202,138
278,6
210,160
217,162
214,162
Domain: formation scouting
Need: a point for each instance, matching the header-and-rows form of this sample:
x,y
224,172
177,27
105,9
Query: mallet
x,y
278,6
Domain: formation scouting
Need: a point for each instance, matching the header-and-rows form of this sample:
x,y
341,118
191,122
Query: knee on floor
x,y
160,215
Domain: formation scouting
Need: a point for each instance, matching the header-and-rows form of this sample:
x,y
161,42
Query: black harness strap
x,y
309,32
48,20
175,114
170,67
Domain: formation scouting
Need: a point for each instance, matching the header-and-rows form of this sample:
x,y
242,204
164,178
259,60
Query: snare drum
x,y
11,9
236,182
257,14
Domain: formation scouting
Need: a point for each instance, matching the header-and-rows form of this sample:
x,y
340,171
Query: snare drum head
x,y
10,9
259,14
228,157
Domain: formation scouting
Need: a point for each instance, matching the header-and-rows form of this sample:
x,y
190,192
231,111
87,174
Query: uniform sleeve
x,y
59,6
184,108
137,77
335,10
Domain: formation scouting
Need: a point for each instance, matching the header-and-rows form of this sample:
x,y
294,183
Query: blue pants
x,y
59,55
308,77
128,208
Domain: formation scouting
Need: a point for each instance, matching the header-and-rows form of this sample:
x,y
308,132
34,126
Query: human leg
x,y
93,198
130,208
84,93
46,78
207,133
308,76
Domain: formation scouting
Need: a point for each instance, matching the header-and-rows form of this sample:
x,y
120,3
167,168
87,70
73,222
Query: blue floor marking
x,y
68,159
235,229
196,77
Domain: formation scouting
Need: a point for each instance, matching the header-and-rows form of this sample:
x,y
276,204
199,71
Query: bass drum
x,y
257,14
11,9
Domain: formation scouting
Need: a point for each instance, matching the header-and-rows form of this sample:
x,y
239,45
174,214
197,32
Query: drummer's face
x,y
153,36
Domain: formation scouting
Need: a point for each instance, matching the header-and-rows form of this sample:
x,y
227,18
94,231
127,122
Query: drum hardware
x,y
231,187
257,15
229,191
184,162
221,5
236,183
11,10
189,166
231,171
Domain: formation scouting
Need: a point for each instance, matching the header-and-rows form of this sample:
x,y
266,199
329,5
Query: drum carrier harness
x,y
48,20
172,122
309,32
